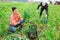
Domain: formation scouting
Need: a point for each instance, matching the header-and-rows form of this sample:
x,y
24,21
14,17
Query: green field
x,y
50,32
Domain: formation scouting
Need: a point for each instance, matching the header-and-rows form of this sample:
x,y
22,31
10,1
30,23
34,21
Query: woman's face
x,y
16,11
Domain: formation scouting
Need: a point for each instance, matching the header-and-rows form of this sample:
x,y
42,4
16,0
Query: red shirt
x,y
15,18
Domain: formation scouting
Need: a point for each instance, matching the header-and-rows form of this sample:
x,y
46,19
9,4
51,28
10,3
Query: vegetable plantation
x,y
49,31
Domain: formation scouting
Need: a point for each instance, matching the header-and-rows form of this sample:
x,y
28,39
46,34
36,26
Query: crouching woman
x,y
15,20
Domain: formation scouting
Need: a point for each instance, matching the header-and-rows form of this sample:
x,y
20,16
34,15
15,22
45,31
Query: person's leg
x,y
21,21
12,28
20,25
42,9
41,12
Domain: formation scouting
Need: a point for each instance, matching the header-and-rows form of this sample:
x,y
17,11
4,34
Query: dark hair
x,y
13,8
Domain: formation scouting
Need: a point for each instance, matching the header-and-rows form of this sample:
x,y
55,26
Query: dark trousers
x,y
42,9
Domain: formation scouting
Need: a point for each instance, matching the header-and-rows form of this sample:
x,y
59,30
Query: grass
x,y
50,32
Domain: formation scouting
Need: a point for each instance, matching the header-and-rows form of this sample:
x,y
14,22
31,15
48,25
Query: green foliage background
x,y
47,33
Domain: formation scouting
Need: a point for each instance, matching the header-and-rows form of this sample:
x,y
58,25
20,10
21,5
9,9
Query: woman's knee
x,y
21,21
